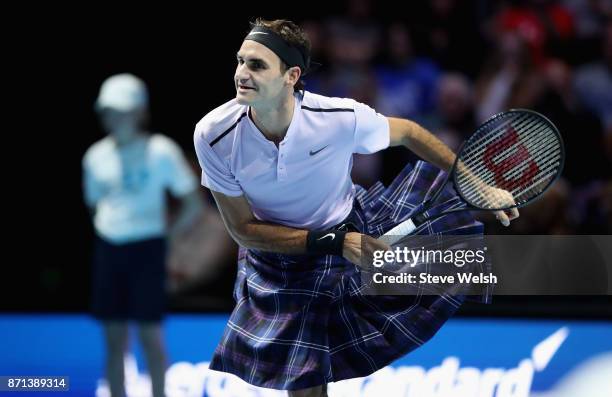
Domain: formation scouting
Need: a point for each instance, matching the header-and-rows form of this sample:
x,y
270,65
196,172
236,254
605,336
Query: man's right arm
x,y
249,232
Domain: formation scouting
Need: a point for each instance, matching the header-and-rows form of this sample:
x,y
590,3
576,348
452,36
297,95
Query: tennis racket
x,y
509,161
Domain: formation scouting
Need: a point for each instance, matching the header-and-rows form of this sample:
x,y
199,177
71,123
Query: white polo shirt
x,y
127,186
305,182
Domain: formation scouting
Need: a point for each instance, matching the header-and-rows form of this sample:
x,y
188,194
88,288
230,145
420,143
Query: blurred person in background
x,y
126,176
590,16
546,26
509,78
406,83
590,20
593,85
448,31
454,119
581,129
405,88
352,42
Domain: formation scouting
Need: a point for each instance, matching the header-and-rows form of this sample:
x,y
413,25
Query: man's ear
x,y
293,75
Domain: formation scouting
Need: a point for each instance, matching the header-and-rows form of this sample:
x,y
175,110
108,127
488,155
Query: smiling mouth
x,y
245,87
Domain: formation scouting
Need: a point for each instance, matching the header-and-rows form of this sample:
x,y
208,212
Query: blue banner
x,y
468,357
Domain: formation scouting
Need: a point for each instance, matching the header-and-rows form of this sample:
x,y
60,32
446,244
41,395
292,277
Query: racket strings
x,y
473,191
477,154
541,147
517,165
522,196
475,149
517,152
490,131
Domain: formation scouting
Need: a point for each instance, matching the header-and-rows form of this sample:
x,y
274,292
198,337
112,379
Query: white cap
x,y
123,92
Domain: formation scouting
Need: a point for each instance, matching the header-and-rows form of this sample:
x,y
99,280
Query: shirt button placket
x,y
281,165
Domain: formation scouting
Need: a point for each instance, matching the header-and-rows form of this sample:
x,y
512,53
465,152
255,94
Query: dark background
x,y
187,58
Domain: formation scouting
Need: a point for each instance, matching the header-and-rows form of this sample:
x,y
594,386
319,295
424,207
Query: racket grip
x,y
398,232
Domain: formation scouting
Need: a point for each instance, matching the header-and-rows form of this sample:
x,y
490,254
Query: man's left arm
x,y
420,141
431,149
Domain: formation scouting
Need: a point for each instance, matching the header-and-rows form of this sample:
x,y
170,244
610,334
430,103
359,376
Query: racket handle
x,y
398,232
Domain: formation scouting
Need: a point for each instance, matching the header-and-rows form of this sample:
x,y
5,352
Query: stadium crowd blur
x,y
552,56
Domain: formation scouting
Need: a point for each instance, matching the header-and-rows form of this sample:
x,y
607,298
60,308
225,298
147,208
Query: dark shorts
x,y
129,280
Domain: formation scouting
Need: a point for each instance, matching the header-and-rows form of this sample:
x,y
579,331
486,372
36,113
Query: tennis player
x,y
278,159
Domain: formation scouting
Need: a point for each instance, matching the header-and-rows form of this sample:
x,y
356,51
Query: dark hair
x,y
292,34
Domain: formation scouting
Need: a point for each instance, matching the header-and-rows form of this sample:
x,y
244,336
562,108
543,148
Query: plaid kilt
x,y
301,320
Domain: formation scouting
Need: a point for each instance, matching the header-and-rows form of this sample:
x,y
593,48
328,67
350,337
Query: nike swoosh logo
x,y
333,236
317,151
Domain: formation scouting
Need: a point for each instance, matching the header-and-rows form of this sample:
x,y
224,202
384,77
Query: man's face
x,y
258,78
